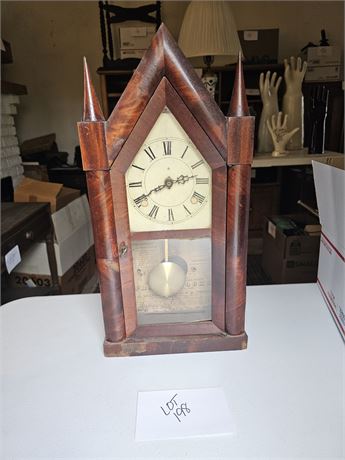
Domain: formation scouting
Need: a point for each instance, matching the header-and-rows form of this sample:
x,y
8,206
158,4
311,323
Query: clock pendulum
x,y
168,277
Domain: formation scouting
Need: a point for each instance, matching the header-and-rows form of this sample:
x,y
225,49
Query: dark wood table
x,y
23,224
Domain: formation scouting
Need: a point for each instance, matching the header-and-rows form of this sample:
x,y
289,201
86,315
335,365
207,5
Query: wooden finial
x,y
239,104
92,108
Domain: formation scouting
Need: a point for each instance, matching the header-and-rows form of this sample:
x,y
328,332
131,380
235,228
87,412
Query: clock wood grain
x,y
165,95
165,77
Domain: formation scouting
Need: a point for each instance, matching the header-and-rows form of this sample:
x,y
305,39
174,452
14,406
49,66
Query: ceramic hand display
x,y
269,95
293,99
280,134
317,113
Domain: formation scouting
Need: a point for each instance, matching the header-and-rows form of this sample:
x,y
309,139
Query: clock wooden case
x,y
168,179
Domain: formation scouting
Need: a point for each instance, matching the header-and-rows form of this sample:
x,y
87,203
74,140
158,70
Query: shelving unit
x,y
113,82
267,186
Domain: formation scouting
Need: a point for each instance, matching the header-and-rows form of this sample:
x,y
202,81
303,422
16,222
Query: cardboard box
x,y
136,38
36,171
137,54
329,179
323,56
324,73
31,190
260,45
290,258
73,239
71,282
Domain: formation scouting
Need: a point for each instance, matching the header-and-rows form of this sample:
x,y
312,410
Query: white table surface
x,y
62,399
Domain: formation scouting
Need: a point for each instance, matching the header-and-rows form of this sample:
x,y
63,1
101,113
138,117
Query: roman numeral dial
x,y
150,153
167,147
168,182
154,211
202,180
135,184
197,198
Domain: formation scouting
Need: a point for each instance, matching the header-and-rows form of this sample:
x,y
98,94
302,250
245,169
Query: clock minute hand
x,y
156,189
167,184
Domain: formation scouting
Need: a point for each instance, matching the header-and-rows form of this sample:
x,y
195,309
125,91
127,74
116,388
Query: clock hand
x,y
183,179
169,182
156,189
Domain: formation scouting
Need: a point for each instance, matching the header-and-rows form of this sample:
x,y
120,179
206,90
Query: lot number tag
x,y
182,413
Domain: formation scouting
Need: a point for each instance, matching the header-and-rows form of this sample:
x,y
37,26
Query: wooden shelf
x,y
294,158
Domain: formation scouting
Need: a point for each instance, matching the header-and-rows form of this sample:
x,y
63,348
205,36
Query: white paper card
x,y
182,413
271,229
250,35
12,258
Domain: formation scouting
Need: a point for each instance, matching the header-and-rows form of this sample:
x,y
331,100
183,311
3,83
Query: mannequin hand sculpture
x,y
280,134
317,113
269,96
293,98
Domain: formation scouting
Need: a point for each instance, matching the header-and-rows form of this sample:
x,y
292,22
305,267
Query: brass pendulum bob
x,y
168,277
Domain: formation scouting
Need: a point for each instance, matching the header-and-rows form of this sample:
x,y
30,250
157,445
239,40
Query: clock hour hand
x,y
168,183
183,179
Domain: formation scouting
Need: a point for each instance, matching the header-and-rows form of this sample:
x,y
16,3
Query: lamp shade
x,y
209,29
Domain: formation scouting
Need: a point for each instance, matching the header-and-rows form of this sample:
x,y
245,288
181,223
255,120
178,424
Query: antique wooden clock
x,y
169,179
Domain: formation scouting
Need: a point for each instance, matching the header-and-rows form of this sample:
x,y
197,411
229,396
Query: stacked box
x,y
134,41
74,252
324,63
31,190
291,258
10,153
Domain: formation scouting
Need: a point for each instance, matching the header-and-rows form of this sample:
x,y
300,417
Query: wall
x,y
49,40
298,22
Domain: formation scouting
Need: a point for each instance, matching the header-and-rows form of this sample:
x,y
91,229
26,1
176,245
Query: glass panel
x,y
172,280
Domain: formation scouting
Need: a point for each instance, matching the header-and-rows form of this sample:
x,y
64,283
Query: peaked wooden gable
x,y
162,60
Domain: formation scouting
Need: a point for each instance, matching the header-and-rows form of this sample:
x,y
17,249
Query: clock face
x,y
168,182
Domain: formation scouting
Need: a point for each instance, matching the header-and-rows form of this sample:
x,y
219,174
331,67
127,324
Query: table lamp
x,y
208,29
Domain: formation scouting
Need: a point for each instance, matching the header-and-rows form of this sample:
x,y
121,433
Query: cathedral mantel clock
x,y
168,179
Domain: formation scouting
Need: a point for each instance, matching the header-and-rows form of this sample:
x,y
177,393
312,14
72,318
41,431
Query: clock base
x,y
181,344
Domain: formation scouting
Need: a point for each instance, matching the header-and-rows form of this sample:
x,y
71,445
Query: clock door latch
x,y
123,249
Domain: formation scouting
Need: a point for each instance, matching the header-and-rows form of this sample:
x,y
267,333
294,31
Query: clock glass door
x,y
169,200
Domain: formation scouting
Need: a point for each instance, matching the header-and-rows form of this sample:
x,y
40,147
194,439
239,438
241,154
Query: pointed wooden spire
x,y
92,108
239,104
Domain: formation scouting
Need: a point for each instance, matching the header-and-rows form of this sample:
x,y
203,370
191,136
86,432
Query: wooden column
x,y
92,139
101,204
240,132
